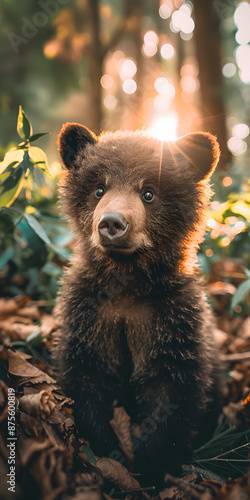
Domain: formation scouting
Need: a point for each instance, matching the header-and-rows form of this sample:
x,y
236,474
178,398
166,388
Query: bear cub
x,y
136,328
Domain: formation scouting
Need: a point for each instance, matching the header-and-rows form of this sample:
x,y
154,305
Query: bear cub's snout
x,y
112,229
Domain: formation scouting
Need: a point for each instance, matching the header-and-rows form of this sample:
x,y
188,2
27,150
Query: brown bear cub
x,y
136,328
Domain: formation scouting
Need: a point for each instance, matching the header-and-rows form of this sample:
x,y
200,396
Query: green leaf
x,y
6,223
7,171
11,186
24,127
27,164
247,272
11,179
240,293
38,229
4,258
35,252
11,157
89,453
52,270
35,338
226,453
36,136
39,158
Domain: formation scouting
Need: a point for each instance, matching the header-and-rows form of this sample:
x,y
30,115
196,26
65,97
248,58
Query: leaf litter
x,y
53,462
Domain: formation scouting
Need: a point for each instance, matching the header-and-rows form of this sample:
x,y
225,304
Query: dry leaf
x,y
117,474
48,324
41,404
244,330
3,401
29,311
10,306
22,368
121,426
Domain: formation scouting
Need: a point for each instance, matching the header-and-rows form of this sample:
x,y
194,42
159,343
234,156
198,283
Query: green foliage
x,y
241,292
19,162
226,454
33,236
228,230
89,453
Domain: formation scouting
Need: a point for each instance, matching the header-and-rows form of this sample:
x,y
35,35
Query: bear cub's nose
x,y
112,227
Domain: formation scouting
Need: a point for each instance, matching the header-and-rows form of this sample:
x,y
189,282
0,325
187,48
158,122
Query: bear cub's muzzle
x,y
112,229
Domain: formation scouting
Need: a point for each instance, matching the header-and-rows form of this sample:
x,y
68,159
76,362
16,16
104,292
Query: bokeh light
x,y
151,38
211,223
242,37
227,181
236,145
245,75
129,86
118,56
128,69
209,252
165,10
241,130
182,21
229,70
189,69
110,101
107,81
149,50
242,54
225,241
240,226
167,51
189,84
238,309
164,87
151,41
215,205
242,21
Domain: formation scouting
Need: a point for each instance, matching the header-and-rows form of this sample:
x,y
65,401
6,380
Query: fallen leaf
x,y
121,426
48,324
10,306
117,473
22,368
41,404
29,311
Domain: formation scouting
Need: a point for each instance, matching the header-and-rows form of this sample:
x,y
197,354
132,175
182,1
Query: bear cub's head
x,y
132,198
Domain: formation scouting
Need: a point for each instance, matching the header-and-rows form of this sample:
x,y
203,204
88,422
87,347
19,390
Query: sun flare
x,y
164,127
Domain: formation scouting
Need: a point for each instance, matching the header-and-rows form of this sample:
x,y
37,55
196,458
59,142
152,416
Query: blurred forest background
x,y
170,67
125,64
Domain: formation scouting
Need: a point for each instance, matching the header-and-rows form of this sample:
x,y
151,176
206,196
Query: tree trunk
x,y
94,57
208,47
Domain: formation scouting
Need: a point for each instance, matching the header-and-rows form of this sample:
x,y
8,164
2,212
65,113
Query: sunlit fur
x,y
127,160
152,335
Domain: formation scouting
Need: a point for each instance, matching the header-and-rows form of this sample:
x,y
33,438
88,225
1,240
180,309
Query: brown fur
x,y
136,326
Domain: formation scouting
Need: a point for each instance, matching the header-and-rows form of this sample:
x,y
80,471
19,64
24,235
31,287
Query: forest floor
x,y
52,462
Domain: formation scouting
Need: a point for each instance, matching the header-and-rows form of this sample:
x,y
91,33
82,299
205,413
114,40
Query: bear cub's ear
x,y
201,152
72,139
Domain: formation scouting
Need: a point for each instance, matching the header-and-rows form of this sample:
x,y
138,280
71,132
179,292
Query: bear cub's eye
x,y
99,192
148,195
